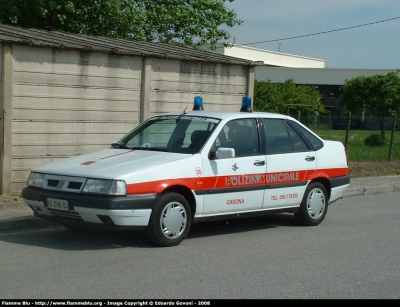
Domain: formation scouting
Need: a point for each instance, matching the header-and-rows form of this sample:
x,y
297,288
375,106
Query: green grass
x,y
357,151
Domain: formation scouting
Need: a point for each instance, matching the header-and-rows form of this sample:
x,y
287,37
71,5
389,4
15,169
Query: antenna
x,y
203,90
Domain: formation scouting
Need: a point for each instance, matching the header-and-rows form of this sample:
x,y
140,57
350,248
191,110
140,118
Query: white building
x,y
270,58
279,67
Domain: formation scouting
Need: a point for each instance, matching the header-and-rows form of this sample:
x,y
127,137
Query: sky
x,y
374,46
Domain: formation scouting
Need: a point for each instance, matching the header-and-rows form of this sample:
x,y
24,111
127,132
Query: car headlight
x,y
103,186
35,180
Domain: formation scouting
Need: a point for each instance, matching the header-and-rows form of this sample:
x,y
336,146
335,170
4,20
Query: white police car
x,y
176,169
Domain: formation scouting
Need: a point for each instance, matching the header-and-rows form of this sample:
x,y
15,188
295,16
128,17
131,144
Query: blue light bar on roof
x,y
246,104
198,103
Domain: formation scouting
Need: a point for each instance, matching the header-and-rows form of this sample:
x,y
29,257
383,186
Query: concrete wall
x,y
56,103
174,84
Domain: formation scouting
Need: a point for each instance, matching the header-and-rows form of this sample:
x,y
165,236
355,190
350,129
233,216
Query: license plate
x,y
57,204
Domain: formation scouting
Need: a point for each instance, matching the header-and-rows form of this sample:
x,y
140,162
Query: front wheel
x,y
170,220
314,205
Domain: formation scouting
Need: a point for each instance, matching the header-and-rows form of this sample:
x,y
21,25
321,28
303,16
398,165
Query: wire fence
x,y
329,122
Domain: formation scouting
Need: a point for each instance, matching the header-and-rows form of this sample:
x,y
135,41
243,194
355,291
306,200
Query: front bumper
x,y
92,211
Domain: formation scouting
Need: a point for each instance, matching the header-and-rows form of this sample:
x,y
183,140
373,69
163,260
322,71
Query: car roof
x,y
225,114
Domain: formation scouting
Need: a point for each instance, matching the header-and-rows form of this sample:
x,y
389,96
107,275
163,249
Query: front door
x,y
239,183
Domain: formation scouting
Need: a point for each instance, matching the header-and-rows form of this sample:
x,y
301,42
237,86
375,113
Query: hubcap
x,y
316,203
173,220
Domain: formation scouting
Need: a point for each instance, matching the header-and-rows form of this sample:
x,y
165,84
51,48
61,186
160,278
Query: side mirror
x,y
224,153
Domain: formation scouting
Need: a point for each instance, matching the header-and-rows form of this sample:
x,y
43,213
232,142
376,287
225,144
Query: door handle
x,y
308,158
259,163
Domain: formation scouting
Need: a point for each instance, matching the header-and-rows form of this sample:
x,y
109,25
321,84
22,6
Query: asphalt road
x,y
353,254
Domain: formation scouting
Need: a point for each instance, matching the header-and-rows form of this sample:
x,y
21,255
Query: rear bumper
x,y
338,186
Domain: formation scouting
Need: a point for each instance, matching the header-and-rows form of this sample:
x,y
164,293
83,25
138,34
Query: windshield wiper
x,y
151,148
119,145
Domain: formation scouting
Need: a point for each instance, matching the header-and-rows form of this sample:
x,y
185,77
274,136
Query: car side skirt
x,y
236,215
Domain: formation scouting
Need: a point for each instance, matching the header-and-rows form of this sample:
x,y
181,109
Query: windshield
x,y
177,133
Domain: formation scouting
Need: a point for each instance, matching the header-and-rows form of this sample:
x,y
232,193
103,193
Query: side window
x,y
278,140
314,141
240,135
282,138
297,142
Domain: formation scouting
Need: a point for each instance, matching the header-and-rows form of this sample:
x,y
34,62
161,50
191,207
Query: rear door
x,y
290,164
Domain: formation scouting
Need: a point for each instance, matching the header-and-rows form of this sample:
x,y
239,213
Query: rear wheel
x,y
170,220
314,206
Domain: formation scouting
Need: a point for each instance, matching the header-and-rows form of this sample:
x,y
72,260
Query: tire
x,y
170,220
314,205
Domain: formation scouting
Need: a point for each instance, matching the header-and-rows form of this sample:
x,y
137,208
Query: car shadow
x,y
60,238
240,225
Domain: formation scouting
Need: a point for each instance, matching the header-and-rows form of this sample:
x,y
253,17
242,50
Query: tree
x,y
396,106
376,95
182,22
267,97
283,97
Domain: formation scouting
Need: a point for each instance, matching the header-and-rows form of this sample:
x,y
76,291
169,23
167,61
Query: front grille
x,y
74,185
69,214
52,183
63,183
